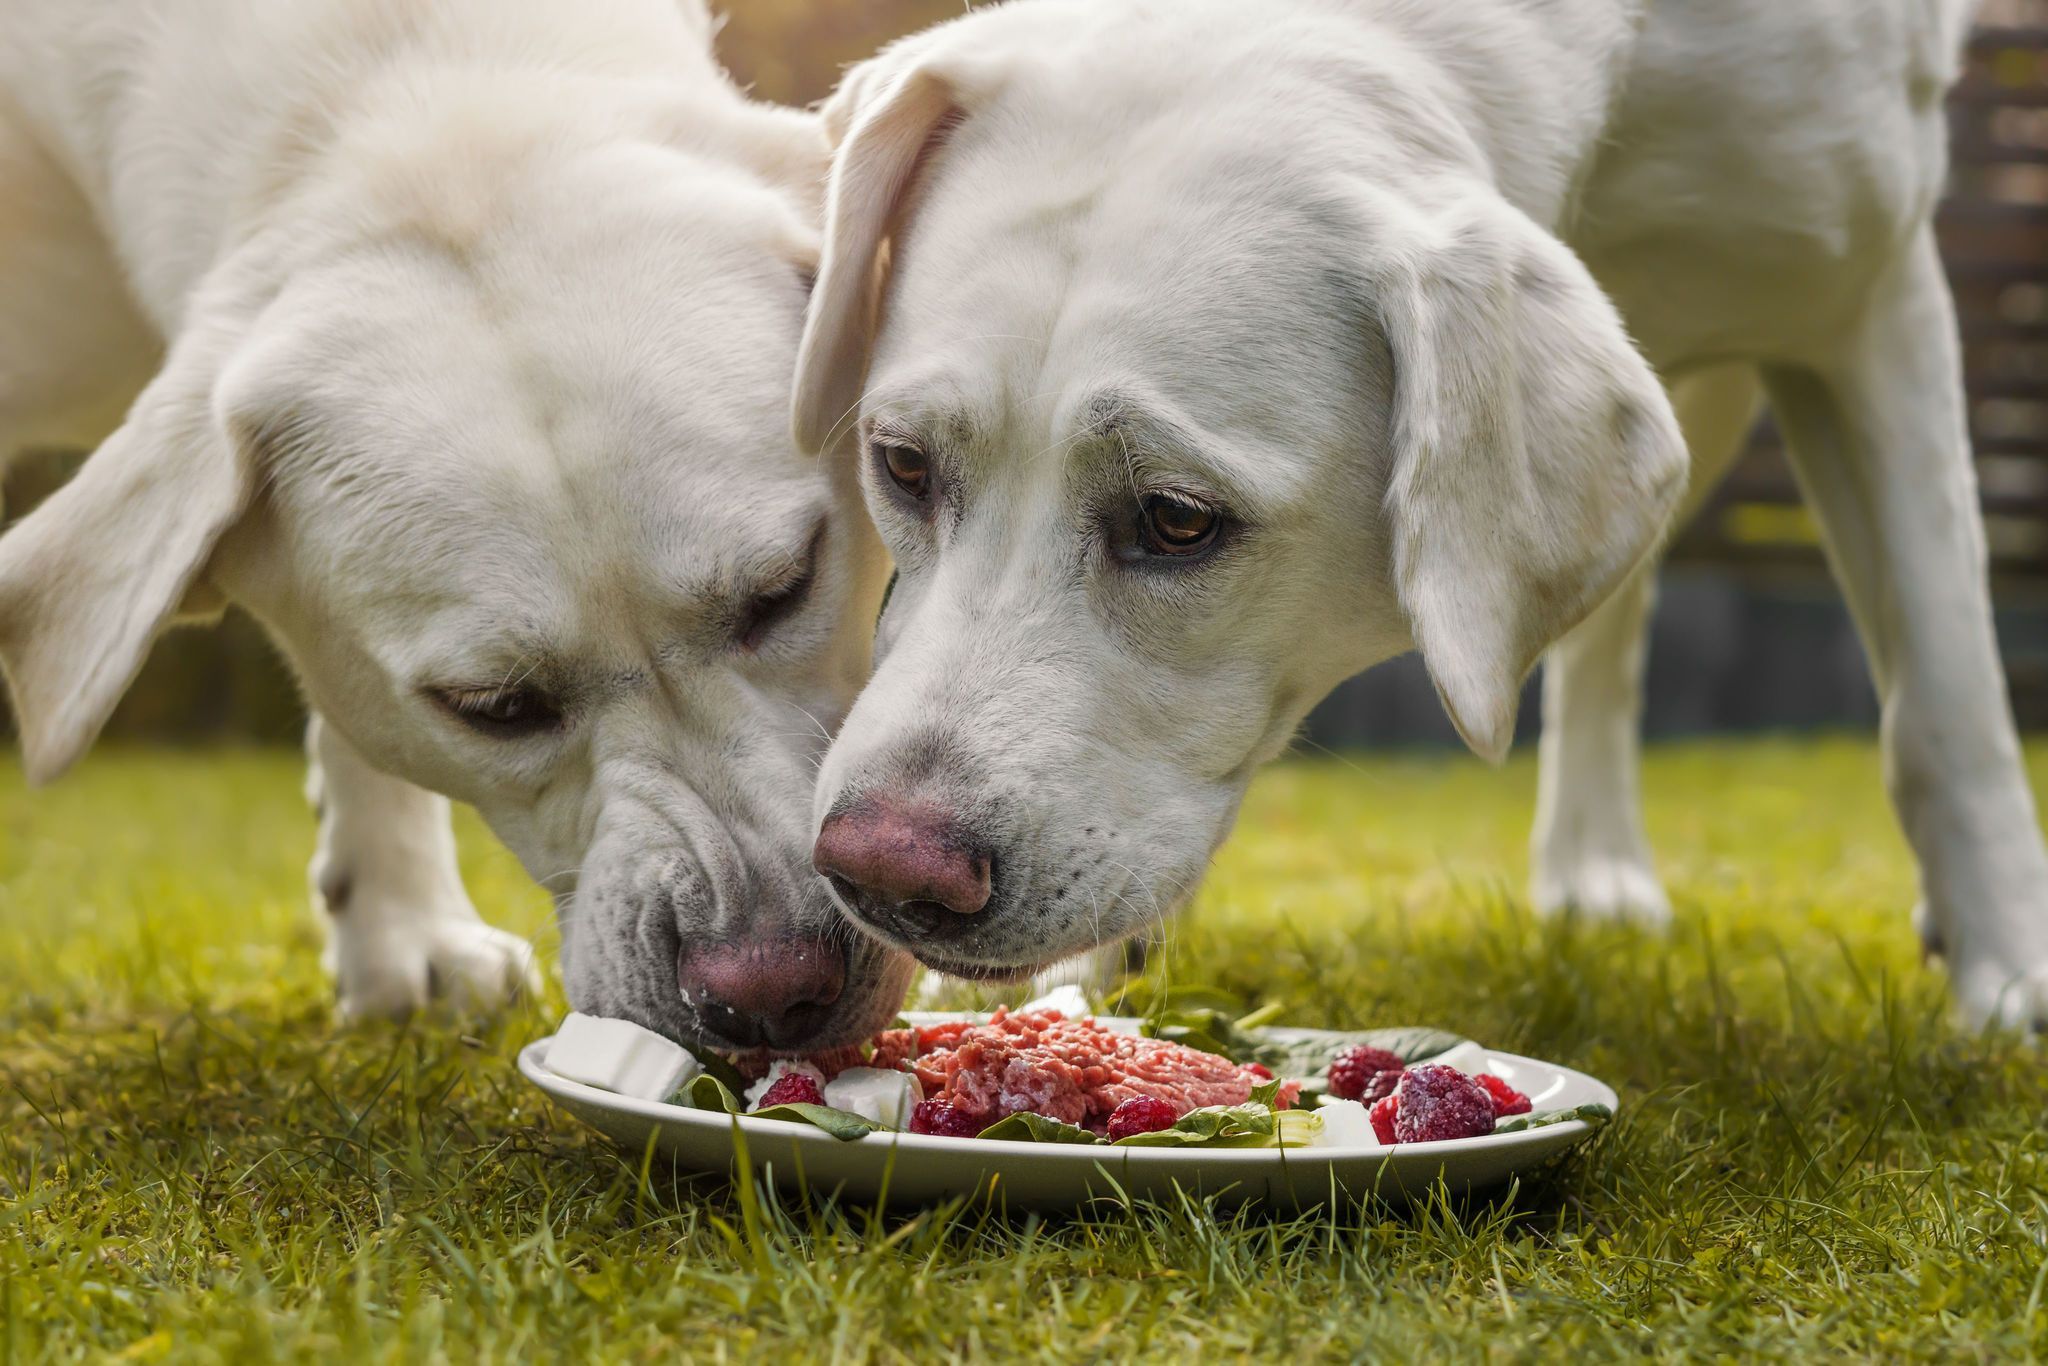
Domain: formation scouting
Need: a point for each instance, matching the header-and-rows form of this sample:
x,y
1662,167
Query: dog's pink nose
x,y
903,854
775,992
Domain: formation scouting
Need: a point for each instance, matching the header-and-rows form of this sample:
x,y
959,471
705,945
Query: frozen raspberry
x,y
1355,1067
1435,1102
794,1088
1259,1070
1506,1099
1382,1085
1141,1115
938,1118
1382,1117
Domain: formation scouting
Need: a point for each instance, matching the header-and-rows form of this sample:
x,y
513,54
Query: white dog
x,y
462,333
1198,355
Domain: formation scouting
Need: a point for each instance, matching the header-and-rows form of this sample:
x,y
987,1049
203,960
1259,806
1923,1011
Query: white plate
x,y
917,1169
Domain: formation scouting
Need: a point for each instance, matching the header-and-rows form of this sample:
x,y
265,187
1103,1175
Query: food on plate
x,y
883,1095
1140,1115
620,1056
1434,1100
944,1120
1041,1074
1382,1117
1506,1099
1381,1086
1346,1124
1074,1071
792,1084
1355,1068
1466,1057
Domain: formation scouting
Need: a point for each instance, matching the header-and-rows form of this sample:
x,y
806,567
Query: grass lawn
x,y
195,1164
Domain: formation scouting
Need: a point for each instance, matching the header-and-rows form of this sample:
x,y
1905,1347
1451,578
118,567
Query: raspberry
x,y
1382,1117
1259,1070
1506,1099
1141,1115
1355,1067
793,1089
941,1120
1382,1085
1435,1102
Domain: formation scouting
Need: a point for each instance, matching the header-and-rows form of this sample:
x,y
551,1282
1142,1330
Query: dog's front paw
x,y
1931,946
1994,947
2001,994
391,970
1601,887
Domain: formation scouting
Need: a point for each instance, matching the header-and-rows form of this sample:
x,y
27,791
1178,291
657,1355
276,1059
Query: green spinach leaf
x,y
1029,1128
843,1125
1594,1114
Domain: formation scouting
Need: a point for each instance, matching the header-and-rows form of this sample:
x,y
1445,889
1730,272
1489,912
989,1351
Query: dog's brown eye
x,y
1176,527
505,712
910,469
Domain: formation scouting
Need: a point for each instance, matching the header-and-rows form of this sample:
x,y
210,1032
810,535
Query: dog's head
x,y
490,428
1183,382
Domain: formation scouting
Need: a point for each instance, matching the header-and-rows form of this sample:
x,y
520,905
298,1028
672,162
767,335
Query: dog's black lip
x,y
972,972
841,1033
981,972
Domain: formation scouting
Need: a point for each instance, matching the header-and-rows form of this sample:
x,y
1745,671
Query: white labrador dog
x,y
462,332
1197,355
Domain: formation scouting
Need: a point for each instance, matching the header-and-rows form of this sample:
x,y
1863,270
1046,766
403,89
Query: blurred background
x,y
1749,634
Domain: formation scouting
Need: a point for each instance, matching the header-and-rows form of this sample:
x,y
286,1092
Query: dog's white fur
x,y
461,331
1400,285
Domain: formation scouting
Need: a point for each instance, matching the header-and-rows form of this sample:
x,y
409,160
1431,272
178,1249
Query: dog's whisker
x,y
823,732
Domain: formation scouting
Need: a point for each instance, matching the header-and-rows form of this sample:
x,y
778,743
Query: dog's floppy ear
x,y
90,577
888,134
1536,458
891,115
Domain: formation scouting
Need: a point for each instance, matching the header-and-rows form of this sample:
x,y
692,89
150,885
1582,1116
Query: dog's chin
x,y
982,972
979,970
966,969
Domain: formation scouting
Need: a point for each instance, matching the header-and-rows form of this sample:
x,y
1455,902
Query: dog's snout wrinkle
x,y
709,859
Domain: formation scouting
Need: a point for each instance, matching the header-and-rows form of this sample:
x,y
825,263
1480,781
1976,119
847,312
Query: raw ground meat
x,y
1074,1071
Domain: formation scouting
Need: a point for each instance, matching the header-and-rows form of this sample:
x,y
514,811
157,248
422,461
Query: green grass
x,y
195,1164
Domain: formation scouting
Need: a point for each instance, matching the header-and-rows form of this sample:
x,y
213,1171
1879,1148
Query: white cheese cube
x,y
1346,1124
618,1055
1069,1000
1467,1057
875,1093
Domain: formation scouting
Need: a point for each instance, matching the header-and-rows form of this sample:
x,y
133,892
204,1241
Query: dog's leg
x,y
1881,447
74,349
1588,852
401,929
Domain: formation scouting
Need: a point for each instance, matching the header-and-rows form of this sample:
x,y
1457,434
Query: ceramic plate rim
x,y
533,1066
